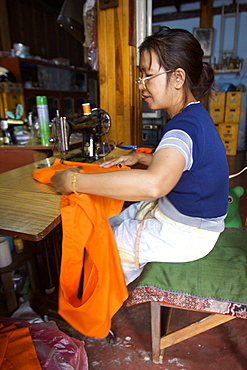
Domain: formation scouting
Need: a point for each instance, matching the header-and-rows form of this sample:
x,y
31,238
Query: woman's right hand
x,y
123,160
129,160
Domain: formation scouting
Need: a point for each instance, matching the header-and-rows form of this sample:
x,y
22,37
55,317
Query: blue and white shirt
x,y
200,198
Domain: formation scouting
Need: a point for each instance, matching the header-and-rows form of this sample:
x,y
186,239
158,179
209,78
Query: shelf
x,y
66,87
221,71
19,259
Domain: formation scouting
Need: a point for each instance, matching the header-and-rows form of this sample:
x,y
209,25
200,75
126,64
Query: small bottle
x,y
87,149
43,117
91,146
31,127
6,137
1,136
19,246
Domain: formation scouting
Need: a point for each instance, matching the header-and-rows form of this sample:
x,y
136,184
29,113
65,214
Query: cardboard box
x,y
232,115
230,146
218,99
228,131
233,99
10,101
217,114
11,87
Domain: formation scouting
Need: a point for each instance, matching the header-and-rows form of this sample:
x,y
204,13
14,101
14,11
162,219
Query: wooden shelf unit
x,y
66,87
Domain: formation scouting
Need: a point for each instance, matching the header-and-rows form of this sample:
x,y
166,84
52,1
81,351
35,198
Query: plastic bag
x,y
55,349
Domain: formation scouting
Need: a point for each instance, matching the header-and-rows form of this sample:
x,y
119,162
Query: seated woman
x,y
181,197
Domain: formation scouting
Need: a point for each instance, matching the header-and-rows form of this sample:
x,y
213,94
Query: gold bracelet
x,y
74,183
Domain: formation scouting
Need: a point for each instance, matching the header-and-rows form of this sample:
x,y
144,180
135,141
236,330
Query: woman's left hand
x,y
62,180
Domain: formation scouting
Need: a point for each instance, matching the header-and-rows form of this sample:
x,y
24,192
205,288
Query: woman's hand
x,y
128,160
62,180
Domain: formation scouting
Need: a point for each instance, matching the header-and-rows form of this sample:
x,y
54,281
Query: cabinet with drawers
x,y
225,110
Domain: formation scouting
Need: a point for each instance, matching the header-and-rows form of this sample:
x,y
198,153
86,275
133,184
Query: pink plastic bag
x,y
55,349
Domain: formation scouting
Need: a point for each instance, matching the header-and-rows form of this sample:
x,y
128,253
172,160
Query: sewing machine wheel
x,y
105,121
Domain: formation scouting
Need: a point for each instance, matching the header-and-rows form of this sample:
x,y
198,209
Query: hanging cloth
x,y
92,286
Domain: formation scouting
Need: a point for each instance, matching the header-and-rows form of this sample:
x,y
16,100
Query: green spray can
x,y
43,117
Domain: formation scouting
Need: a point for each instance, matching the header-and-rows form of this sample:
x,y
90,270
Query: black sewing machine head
x,y
7,125
92,125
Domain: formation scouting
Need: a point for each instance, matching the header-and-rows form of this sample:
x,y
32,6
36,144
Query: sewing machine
x,y
7,126
93,124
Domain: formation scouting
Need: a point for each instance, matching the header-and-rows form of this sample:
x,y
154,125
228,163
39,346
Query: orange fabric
x,y
143,150
86,230
45,174
17,351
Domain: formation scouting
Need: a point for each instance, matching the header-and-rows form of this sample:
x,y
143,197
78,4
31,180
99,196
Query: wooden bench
x,y
215,284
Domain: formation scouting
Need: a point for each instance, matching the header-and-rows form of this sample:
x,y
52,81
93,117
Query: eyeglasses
x,y
142,80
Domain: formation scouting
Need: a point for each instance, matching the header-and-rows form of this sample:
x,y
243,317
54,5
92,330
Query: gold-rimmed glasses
x,y
140,80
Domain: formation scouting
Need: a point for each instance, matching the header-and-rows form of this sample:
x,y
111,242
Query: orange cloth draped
x,y
17,351
88,243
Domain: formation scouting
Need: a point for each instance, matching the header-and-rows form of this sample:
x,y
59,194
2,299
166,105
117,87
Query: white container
x,y
5,254
21,50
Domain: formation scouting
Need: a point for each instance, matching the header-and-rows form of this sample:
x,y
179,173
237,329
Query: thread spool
x,y
5,255
86,108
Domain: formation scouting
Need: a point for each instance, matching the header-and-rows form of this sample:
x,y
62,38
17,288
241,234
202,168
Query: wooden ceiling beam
x,y
206,16
177,5
196,13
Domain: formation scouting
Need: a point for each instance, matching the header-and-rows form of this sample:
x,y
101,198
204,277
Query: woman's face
x,y
157,92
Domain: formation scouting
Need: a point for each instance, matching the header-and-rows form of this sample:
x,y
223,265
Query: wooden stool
x,y
217,287
160,342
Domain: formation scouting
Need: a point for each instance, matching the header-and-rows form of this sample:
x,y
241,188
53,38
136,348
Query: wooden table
x,y
15,156
31,210
28,209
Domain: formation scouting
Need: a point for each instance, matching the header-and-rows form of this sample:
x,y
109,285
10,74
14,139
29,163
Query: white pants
x,y
161,240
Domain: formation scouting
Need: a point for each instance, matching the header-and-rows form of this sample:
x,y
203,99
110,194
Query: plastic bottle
x,y
44,122
19,246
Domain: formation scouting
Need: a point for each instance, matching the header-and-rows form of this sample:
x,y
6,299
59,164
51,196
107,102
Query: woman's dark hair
x,y
178,48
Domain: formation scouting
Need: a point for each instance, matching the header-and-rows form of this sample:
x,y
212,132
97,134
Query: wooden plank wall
x,y
4,27
33,23
119,95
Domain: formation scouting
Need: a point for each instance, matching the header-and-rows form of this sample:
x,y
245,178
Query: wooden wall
x,y
119,95
34,24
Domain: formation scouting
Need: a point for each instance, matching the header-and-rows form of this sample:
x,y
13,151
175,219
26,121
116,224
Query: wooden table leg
x,y
156,331
9,292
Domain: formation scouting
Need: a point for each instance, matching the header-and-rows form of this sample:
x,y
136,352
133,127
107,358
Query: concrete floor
x,y
224,347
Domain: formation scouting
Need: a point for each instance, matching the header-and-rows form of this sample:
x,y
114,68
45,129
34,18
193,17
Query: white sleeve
x,y
181,141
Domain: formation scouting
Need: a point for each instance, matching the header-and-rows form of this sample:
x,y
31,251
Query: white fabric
x,y
162,239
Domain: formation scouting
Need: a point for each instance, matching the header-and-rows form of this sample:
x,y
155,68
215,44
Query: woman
x,y
182,195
